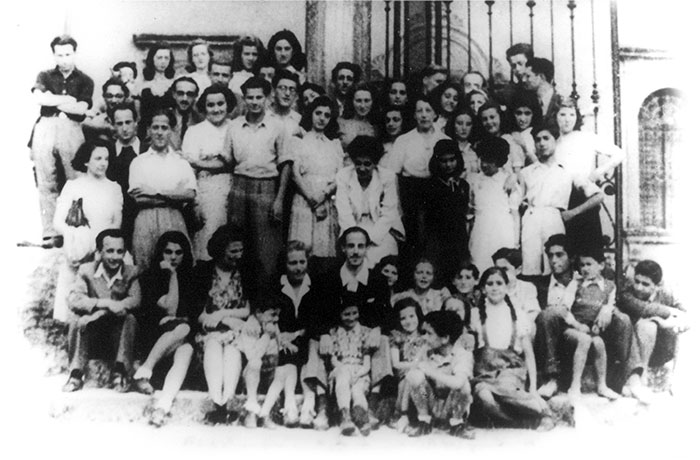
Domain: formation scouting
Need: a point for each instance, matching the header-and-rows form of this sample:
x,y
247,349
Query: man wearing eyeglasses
x,y
285,86
184,92
97,123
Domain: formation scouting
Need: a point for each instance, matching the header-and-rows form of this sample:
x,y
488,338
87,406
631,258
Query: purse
x,y
76,216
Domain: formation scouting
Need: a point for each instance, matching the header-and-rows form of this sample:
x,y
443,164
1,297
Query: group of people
x,y
426,242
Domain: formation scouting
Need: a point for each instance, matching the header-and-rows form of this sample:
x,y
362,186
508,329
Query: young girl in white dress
x,y
319,157
496,218
423,290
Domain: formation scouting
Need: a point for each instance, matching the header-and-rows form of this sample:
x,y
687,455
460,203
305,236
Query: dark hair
x,y
331,131
123,106
520,48
466,265
513,256
190,65
387,90
461,109
405,118
298,60
149,71
178,238
180,79
352,67
366,146
493,150
114,81
445,147
527,99
313,87
592,252
63,40
216,89
432,69
558,239
542,66
121,64
402,304
84,153
296,245
506,119
344,236
221,238
445,324
349,110
221,62
552,128
284,74
265,301
257,83
425,260
167,111
348,299
238,51
436,95
650,269
482,300
111,233
467,311
388,260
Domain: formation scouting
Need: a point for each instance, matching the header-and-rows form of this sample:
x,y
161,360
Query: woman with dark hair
x,y
461,128
395,121
222,289
158,77
87,205
203,148
396,93
199,57
505,372
307,93
248,53
497,122
162,183
285,52
367,197
445,98
359,116
167,320
527,113
319,157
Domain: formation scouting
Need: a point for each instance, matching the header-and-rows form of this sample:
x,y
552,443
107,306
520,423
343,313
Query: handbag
x,y
76,216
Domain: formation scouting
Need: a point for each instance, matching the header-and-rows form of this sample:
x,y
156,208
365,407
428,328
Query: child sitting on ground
x,y
658,320
407,349
351,346
258,342
590,315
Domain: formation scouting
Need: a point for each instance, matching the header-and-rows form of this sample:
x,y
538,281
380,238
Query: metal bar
x,y
510,20
595,95
397,39
428,32
438,32
490,3
387,9
617,120
406,35
448,4
531,4
469,36
574,95
551,24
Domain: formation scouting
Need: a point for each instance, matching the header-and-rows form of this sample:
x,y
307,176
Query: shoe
x,y
231,416
347,427
291,421
216,416
462,431
157,418
306,420
423,428
321,421
73,384
251,420
546,424
548,390
267,423
120,382
143,386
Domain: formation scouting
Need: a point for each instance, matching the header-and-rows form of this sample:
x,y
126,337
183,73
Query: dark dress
x,y
118,171
446,225
292,320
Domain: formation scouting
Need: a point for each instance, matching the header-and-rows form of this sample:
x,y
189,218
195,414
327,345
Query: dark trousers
x,y
112,332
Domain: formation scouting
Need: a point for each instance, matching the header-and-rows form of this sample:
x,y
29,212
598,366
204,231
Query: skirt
x,y
149,225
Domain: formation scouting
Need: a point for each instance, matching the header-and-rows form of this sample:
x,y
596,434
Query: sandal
x,y
157,418
120,382
73,384
143,386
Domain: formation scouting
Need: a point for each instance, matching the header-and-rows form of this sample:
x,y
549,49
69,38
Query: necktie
x,y
185,117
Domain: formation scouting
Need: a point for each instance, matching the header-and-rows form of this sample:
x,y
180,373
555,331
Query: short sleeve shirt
x,y
161,172
258,150
412,151
77,84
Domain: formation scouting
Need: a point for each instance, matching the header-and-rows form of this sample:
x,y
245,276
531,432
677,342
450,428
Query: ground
x,y
46,421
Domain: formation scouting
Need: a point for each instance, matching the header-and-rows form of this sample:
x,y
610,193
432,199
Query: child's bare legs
x,y
231,372
290,387
176,375
307,406
601,364
214,370
418,394
583,344
164,346
343,396
251,375
285,377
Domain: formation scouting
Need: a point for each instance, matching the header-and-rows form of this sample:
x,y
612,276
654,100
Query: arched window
x,y
659,137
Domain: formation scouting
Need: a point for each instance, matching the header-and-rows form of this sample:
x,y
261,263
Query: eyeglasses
x,y
112,96
186,93
287,89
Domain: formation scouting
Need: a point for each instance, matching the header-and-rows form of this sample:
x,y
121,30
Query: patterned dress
x,y
350,347
226,293
317,161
